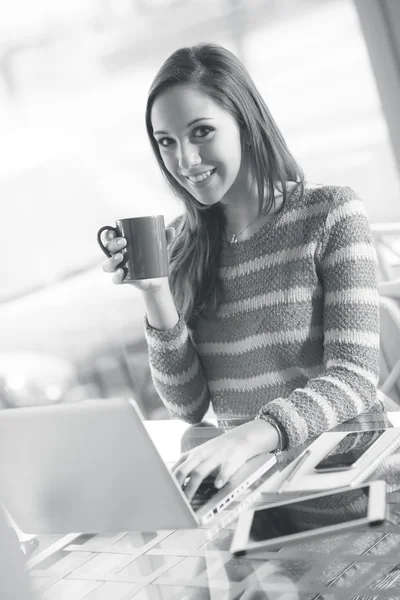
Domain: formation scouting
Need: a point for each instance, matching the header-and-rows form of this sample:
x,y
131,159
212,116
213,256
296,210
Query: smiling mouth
x,y
203,177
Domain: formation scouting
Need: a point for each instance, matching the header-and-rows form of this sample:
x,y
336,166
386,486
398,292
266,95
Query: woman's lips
x,y
203,182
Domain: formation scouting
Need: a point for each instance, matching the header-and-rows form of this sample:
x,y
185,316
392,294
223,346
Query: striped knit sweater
x,y
297,332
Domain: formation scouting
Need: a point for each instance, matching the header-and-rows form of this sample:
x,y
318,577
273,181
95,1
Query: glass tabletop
x,y
197,564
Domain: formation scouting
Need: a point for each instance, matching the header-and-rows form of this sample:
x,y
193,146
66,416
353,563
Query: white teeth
x,y
200,177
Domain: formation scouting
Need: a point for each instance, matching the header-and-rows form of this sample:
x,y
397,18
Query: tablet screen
x,y
349,450
305,515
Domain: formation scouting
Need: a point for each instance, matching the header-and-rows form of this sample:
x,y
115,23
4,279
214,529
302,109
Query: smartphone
x,y
349,450
278,524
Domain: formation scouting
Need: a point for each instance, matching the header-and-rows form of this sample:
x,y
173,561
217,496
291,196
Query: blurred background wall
x,y
74,155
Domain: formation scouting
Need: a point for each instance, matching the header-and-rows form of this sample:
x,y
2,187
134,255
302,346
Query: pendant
x,y
234,239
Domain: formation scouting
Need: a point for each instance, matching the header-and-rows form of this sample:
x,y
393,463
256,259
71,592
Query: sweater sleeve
x,y
177,372
347,269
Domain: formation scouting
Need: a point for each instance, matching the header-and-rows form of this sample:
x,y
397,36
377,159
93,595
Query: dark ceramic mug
x,y
145,254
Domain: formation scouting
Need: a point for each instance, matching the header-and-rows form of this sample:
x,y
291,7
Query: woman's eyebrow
x,y
188,125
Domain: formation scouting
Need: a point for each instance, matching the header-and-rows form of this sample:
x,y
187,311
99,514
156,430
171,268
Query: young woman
x,y
270,312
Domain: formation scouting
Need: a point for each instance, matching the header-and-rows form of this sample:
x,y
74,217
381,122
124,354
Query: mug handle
x,y
102,246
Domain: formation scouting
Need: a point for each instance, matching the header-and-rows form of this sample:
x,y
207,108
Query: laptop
x,y
15,583
92,467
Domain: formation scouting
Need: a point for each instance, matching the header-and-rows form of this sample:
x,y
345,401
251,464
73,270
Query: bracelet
x,y
274,421
269,419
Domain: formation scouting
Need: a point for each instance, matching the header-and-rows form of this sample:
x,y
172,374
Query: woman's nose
x,y
188,157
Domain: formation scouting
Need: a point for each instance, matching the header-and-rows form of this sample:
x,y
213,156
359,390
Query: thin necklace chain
x,y
235,236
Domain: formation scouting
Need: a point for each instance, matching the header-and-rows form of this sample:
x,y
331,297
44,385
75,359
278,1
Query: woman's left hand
x,y
224,454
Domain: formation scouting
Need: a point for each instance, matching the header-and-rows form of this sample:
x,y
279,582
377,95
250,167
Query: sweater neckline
x,y
267,225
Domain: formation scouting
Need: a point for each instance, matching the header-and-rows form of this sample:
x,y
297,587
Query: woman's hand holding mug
x,y
137,251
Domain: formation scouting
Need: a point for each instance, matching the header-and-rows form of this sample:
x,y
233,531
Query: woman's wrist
x,y
261,435
281,437
160,307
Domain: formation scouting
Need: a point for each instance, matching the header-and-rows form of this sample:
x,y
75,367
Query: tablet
x,y
277,524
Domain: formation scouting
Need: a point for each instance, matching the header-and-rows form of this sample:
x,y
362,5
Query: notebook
x,y
307,479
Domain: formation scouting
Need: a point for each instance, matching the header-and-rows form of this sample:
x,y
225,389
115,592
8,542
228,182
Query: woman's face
x,y
200,144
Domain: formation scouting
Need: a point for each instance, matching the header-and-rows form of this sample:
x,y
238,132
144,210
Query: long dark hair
x,y
195,252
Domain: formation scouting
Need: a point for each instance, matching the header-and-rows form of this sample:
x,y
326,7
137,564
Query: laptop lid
x,y
86,467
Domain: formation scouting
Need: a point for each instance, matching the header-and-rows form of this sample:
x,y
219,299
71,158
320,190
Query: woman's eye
x,y
199,132
203,130
165,142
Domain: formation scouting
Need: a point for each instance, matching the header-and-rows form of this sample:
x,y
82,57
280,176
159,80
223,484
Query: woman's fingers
x,y
205,461
189,462
116,244
184,469
196,465
180,460
197,476
118,276
111,264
